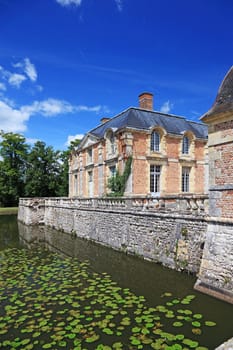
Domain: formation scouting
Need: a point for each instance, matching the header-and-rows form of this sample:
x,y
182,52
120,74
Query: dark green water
x,y
54,273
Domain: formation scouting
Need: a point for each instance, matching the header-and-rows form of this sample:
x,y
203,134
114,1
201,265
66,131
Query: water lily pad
x,y
177,324
191,343
180,336
47,346
210,323
107,331
93,338
135,341
136,330
197,316
196,331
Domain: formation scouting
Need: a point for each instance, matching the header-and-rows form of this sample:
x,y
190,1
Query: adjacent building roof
x,y
224,100
137,118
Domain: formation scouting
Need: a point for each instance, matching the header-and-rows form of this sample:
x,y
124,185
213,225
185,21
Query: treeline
x,y
31,171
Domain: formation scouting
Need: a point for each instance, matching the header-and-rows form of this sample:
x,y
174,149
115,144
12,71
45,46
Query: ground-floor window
x,y
90,183
75,184
90,176
185,179
112,171
155,173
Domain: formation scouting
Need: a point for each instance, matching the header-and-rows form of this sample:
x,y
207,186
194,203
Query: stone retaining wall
x,y
174,239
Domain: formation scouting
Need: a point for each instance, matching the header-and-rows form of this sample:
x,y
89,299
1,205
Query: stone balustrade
x,y
192,204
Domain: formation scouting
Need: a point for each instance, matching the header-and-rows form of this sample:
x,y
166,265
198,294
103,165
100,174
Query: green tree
x,y
43,171
63,185
13,152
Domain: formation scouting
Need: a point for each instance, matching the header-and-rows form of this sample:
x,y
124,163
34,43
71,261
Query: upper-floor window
x,y
185,145
155,141
112,143
185,179
89,155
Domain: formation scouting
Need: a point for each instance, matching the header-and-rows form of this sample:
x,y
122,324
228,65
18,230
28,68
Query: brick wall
x,y
137,144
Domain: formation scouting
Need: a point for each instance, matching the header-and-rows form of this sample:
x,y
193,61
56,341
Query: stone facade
x,y
169,154
171,232
216,272
228,345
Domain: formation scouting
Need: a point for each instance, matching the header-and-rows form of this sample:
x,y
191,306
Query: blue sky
x,y
65,64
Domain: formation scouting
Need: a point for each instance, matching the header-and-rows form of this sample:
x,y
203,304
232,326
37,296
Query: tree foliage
x,y
13,152
37,171
43,170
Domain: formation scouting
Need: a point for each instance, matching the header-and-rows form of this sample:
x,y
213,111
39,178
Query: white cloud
x,y
28,68
82,108
119,4
72,138
49,107
2,87
31,141
25,70
11,119
16,79
196,114
166,107
15,120
39,88
69,2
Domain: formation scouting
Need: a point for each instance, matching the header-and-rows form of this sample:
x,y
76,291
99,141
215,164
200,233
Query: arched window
x,y
185,145
155,141
112,143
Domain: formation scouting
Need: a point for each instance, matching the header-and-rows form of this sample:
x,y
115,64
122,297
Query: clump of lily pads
x,y
50,302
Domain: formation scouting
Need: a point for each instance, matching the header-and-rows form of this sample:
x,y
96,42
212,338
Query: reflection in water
x,y
142,277
8,232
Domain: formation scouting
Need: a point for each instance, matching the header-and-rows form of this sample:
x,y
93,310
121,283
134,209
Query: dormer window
x,y
155,142
89,155
111,143
185,145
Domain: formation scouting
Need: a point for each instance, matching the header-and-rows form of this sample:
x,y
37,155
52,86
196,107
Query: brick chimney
x,y
146,101
104,120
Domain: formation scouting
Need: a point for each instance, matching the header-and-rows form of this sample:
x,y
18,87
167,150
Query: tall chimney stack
x,y
146,101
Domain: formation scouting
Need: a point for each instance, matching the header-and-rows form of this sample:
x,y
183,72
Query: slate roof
x,y
224,100
136,118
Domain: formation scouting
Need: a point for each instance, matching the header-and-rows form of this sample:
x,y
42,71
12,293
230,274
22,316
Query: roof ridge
x,y
169,115
114,117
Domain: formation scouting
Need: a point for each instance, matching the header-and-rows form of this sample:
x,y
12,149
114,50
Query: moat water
x,y
61,292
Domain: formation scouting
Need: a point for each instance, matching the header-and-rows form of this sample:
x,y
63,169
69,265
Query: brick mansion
x,y
169,154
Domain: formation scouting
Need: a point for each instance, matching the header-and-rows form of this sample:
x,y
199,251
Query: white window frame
x,y
112,143
185,181
185,145
89,155
155,178
155,141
